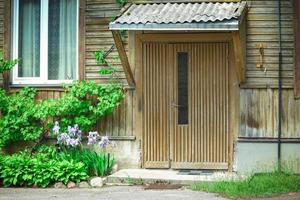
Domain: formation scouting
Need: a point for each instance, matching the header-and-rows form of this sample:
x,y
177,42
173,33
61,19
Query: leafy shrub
x,y
121,2
18,119
6,65
97,164
82,104
41,169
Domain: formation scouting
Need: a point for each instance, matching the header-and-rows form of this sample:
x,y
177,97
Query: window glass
x,y
29,38
62,34
182,60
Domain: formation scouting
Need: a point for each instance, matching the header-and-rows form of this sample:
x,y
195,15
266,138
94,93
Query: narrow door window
x,y
182,60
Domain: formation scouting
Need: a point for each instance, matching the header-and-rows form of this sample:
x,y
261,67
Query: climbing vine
x,y
6,65
121,3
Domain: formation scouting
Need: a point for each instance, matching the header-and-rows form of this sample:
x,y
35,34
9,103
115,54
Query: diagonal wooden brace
x,y
238,55
123,58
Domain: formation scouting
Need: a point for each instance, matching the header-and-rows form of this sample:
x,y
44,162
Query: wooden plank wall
x,y
1,30
120,124
259,113
98,15
262,22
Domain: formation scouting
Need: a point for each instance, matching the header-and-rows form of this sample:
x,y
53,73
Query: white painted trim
x,y
43,79
15,37
44,42
77,41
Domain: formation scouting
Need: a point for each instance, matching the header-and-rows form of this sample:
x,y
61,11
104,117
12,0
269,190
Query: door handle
x,y
175,105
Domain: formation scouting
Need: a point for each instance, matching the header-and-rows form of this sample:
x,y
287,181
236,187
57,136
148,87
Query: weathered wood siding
x,y
259,113
120,124
98,15
262,22
1,29
49,94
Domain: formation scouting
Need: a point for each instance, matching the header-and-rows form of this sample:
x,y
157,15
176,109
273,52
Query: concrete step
x,y
152,176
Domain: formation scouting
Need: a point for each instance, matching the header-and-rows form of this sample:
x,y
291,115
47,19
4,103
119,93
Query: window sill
x,y
43,86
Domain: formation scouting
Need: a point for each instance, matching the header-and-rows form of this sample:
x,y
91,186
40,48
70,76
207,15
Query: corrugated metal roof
x,y
173,13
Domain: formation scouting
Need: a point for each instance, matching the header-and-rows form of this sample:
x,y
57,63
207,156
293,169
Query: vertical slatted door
x,y
199,122
156,109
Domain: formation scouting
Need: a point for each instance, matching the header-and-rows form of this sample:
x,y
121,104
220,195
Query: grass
x,y
259,185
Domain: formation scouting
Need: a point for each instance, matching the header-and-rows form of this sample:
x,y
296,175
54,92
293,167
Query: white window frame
x,y
43,79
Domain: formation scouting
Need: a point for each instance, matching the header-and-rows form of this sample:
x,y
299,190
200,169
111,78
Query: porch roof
x,y
181,16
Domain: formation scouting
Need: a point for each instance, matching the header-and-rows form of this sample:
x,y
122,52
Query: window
x,y
183,114
45,39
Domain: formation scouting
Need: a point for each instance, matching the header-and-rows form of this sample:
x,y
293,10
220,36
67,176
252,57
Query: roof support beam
x,y
123,58
238,55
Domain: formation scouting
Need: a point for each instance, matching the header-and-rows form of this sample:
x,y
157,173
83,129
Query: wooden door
x,y
185,105
199,115
156,106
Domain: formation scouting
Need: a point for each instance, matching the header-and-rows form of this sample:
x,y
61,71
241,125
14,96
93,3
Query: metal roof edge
x,y
229,25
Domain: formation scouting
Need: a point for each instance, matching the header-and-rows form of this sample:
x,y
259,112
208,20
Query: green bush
x,y
6,65
83,103
97,164
18,119
40,169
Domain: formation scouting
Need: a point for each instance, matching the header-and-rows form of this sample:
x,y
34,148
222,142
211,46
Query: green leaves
x,y
18,117
83,103
100,57
97,164
6,65
121,2
41,169
107,71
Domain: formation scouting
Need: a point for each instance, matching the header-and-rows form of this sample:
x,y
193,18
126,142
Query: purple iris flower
x,y
92,138
63,138
104,142
71,138
56,128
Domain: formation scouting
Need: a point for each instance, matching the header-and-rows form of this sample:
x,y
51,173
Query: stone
x,y
114,169
71,185
59,185
104,180
83,184
96,182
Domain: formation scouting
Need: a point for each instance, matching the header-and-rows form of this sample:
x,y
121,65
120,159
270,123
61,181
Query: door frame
x,y
178,37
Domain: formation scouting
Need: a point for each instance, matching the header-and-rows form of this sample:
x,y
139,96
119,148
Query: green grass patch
x,y
259,185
